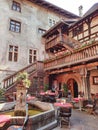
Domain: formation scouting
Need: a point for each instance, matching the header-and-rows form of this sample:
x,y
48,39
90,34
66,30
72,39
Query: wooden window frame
x,y
15,26
32,55
16,6
95,80
13,53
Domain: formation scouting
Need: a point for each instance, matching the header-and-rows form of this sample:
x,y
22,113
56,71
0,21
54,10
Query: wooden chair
x,y
64,115
91,107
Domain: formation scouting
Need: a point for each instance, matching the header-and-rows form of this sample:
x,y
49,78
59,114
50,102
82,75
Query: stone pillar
x,y
20,108
85,77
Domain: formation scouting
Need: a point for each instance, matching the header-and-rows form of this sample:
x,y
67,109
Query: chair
x,y
64,115
91,106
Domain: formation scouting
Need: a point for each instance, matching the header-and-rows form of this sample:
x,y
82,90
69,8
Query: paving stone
x,y
81,120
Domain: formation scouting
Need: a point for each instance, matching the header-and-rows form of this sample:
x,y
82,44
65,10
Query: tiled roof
x,y
54,8
91,10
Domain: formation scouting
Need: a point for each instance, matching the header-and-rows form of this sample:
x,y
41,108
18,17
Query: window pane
x,y
15,56
17,29
30,59
10,48
16,48
34,52
30,51
10,56
34,58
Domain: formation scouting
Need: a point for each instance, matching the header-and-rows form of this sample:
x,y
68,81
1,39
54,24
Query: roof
x,y
54,8
59,24
93,9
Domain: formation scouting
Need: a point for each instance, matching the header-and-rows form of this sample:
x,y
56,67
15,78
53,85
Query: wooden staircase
x,y
35,71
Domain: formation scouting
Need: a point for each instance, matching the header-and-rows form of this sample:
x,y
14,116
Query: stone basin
x,y
43,121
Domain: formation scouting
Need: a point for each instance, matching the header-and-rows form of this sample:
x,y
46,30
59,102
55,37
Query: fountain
x,y
42,121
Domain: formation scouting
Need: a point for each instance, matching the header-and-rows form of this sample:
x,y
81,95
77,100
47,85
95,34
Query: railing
x,y
60,39
52,42
10,80
84,54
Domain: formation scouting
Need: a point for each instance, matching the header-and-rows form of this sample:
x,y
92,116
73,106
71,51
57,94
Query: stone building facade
x,y
22,24
74,59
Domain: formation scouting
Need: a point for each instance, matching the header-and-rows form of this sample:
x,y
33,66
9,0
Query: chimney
x,y
80,10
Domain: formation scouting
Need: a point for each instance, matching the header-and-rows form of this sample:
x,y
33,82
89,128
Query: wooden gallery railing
x,y
83,54
34,67
60,39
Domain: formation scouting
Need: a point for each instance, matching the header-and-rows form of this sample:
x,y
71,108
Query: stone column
x,y
85,77
20,108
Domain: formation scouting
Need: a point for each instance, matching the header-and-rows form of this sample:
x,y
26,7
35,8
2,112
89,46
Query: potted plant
x,y
65,88
46,86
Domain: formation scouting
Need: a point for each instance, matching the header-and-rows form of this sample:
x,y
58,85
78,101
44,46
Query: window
x,y
15,26
52,22
32,55
95,80
16,6
78,30
13,53
41,31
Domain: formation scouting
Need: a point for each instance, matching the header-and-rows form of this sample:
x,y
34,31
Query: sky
x,y
72,5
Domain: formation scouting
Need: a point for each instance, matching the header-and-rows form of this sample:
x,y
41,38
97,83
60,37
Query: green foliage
x,y
24,78
46,86
2,92
65,88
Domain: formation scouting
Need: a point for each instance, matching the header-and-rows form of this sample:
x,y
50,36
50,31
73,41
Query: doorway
x,y
73,87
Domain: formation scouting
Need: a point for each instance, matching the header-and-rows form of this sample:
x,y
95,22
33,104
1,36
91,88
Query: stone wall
x,y
31,17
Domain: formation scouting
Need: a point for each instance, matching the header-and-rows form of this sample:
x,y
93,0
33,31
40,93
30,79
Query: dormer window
x,y
16,6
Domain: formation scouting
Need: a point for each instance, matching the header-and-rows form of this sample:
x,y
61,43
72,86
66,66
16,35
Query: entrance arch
x,y
73,87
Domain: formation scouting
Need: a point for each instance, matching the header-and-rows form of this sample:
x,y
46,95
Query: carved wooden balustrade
x,y
30,69
78,56
52,41
62,40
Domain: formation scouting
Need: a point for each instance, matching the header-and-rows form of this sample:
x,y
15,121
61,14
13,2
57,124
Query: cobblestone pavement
x,y
81,120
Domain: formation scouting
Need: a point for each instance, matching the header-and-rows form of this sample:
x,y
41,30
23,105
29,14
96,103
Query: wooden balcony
x,y
60,42
30,69
53,41
82,55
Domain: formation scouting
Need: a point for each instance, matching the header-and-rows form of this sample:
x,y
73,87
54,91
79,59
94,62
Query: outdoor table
x,y
57,112
47,94
66,105
4,119
79,100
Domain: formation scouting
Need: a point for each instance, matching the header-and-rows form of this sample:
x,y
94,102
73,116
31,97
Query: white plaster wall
x,y
31,17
